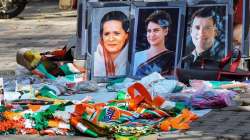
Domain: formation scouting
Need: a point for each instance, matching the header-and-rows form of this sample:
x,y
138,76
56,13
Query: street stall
x,y
144,69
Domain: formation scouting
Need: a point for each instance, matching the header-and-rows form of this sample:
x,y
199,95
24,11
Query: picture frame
x,y
241,31
81,31
101,68
245,29
241,27
1,92
141,62
215,38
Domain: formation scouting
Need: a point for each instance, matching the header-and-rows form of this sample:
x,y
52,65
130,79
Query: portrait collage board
x,y
134,39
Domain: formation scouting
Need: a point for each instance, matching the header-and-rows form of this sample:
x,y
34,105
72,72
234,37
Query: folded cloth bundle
x,y
28,58
51,64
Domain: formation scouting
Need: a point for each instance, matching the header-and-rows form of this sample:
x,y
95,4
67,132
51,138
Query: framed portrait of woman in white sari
x,y
108,31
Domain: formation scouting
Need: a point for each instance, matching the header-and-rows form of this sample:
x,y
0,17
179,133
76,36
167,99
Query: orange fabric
x,y
59,52
143,95
158,101
99,105
165,125
95,120
161,113
74,121
53,123
133,103
140,110
180,122
124,112
31,131
11,124
92,110
34,108
141,90
12,115
80,108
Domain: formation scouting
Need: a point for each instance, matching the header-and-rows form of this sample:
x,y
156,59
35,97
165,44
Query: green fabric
x,y
2,108
118,80
48,92
8,132
179,106
43,70
113,82
112,104
121,95
66,69
91,133
40,121
41,118
85,115
177,89
122,106
218,84
70,77
102,114
54,108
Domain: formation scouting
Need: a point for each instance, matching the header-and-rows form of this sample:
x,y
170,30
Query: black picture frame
x,y
223,14
81,31
96,10
246,29
1,92
140,11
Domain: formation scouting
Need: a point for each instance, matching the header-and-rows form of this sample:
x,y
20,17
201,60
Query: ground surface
x,y
42,26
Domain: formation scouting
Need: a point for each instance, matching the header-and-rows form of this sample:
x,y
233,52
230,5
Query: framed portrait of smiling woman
x,y
208,32
108,31
156,38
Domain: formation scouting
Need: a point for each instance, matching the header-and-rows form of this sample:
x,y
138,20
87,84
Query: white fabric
x,y
120,62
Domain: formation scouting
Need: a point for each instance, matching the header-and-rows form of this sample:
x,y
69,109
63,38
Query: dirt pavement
x,y
41,26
